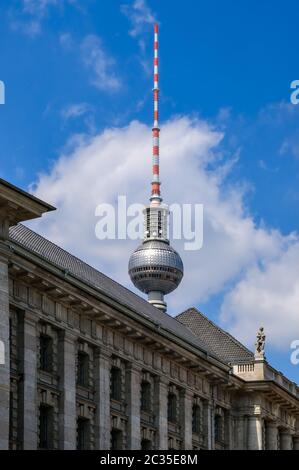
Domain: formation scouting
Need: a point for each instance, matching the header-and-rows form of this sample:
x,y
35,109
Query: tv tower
x,y
155,267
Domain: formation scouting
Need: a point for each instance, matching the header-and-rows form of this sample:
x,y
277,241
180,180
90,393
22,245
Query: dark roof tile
x,y
215,339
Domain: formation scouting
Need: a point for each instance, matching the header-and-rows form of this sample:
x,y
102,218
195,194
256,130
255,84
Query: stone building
x,y
90,365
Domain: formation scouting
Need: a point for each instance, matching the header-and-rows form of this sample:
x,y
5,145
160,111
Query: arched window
x,y
116,383
172,408
145,396
196,419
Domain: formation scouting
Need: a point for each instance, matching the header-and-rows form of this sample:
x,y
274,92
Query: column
x,y
186,404
4,349
67,385
28,387
271,436
103,418
255,433
133,381
161,397
286,440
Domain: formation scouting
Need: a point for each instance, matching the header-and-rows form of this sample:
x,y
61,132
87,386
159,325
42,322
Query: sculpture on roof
x,y
260,344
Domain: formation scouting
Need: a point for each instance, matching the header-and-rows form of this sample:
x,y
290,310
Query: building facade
x,y
90,365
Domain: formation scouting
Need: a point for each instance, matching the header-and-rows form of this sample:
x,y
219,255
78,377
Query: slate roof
x,y
217,340
21,235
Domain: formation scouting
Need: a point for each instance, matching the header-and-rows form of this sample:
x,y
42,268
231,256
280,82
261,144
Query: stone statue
x,y
260,344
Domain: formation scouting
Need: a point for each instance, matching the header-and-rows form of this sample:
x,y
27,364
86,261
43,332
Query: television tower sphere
x,y
156,268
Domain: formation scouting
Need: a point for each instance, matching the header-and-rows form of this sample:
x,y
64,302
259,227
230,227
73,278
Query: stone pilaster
x,y
271,436
186,403
228,430
286,440
28,386
67,385
239,433
4,349
102,382
161,396
133,381
209,424
254,433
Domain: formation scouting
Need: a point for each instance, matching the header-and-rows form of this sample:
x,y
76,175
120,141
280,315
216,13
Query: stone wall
x,y
229,416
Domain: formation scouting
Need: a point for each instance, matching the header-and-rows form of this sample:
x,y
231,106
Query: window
x,y
172,407
46,353
83,426
83,369
196,419
218,428
116,439
115,383
45,427
146,444
148,219
145,396
159,224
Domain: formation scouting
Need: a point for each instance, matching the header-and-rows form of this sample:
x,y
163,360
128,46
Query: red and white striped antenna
x,y
156,196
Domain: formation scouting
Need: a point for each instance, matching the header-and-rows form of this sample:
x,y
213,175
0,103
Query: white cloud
x,y
29,17
268,295
74,110
30,28
38,8
140,16
238,258
66,40
100,63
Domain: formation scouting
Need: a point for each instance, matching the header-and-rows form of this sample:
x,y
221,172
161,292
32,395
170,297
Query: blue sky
x,y
74,68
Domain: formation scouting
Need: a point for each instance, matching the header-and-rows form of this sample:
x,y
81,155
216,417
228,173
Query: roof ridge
x,y
195,310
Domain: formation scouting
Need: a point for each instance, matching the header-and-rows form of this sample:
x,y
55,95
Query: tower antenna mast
x,y
156,194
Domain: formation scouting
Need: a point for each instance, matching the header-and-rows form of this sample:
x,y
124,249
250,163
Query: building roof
x,y
21,205
215,338
34,243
